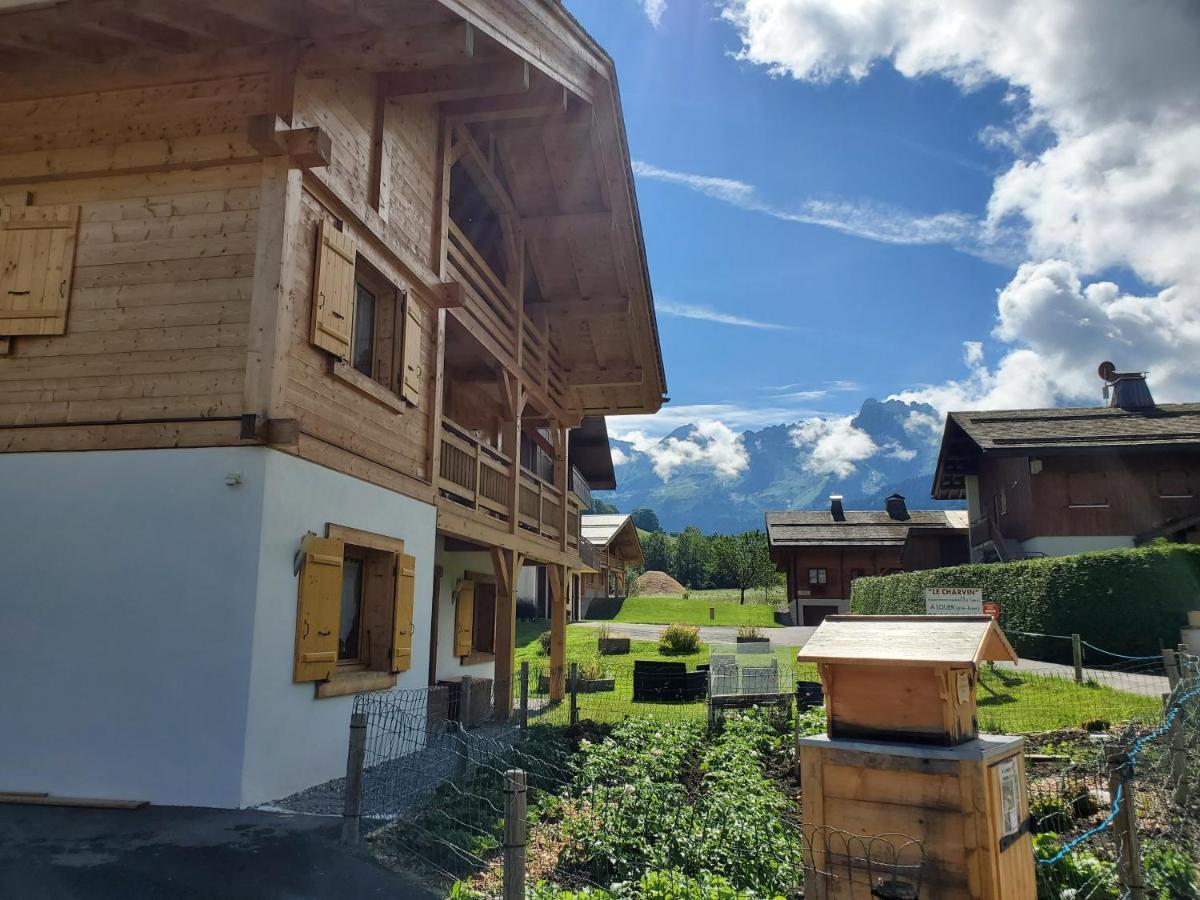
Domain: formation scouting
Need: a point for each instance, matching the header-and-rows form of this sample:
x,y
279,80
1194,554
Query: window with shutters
x,y
818,577
37,255
475,618
370,327
354,620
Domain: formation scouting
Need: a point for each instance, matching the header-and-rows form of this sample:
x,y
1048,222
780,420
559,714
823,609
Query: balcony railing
x,y
474,474
540,506
580,488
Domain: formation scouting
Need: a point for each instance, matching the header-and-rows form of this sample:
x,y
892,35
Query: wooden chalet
x,y
821,552
614,548
300,305
1051,482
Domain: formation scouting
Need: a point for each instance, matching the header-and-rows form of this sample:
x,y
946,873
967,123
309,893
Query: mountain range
x,y
687,479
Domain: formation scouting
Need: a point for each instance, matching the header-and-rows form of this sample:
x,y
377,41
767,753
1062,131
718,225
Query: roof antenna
x,y
1106,372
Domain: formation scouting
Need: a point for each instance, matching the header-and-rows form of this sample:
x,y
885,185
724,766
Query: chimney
x,y
896,507
1129,389
835,508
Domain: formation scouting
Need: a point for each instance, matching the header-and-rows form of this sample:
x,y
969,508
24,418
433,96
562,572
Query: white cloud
x,y
834,445
654,10
707,314
619,456
900,452
711,444
1106,172
872,221
640,430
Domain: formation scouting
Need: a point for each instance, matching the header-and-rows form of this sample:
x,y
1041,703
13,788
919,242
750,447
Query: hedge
x,y
1131,602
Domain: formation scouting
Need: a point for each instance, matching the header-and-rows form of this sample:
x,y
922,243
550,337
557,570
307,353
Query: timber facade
x,y
300,306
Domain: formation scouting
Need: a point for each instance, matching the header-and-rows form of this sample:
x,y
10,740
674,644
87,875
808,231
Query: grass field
x,y
1008,702
694,611
777,594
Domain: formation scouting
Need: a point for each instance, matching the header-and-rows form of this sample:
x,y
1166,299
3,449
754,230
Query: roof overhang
x,y
908,641
589,451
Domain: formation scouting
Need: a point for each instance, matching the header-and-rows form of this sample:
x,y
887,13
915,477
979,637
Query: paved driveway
x,y
181,852
789,636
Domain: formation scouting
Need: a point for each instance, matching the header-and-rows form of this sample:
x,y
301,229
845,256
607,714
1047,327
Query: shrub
x,y
749,632
603,633
544,643
1092,594
679,640
592,668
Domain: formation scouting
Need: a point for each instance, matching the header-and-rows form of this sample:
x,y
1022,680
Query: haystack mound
x,y
656,584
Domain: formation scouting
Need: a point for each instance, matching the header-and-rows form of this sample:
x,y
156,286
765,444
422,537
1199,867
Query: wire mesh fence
x,y
628,785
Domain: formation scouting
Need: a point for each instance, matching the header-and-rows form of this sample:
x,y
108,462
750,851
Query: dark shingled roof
x,y
861,527
1105,426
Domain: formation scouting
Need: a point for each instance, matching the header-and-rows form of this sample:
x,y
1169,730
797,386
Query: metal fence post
x,y
514,834
464,701
1129,854
355,757
1171,664
574,686
1077,657
524,694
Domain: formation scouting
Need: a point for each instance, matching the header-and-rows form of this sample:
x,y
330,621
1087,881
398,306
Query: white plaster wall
x,y
294,740
1069,545
454,565
126,617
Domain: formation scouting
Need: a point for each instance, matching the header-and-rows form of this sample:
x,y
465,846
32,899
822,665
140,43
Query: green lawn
x,y
1008,702
777,594
694,611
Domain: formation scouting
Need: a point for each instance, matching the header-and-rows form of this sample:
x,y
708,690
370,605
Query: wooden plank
x,y
603,377
457,82
583,225
379,50
586,307
37,799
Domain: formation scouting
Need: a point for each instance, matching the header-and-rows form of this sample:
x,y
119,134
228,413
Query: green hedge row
x,y
1131,602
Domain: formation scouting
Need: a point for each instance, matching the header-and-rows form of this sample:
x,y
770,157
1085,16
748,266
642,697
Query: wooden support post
x,y
355,757
524,694
574,688
464,702
558,632
515,813
1077,657
1129,857
506,565
1171,664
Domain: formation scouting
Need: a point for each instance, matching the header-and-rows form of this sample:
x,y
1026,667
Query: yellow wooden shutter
x,y
333,294
410,384
464,619
402,612
37,255
318,608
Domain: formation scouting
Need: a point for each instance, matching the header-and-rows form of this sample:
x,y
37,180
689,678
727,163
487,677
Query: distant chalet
x,y
823,551
1050,482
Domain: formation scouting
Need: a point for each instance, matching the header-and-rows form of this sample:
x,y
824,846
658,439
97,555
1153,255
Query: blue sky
x,y
832,220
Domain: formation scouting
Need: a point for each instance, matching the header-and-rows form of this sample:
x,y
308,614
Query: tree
x,y
646,519
743,560
659,550
599,506
693,558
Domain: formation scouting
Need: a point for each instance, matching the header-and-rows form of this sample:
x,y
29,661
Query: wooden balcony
x,y
581,489
478,478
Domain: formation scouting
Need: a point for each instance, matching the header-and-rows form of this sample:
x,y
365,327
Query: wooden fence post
x,y
355,757
1077,657
514,834
574,686
1171,664
1129,854
524,694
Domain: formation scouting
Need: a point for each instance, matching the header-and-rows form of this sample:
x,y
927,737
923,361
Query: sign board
x,y
1010,798
992,609
954,601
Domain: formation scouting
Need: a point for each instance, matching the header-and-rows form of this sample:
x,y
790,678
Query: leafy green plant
x,y
544,643
592,668
679,640
1170,874
1079,875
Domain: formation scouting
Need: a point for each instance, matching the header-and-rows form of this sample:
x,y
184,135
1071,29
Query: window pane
x,y
363,352
352,591
484,625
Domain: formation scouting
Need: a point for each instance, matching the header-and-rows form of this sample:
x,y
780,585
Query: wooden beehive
x,y
895,686
904,678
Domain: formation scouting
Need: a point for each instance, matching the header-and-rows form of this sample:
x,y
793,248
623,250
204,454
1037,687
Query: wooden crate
x,y
967,805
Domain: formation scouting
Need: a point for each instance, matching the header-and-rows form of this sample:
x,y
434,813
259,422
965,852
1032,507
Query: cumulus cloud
x,y
654,10
834,445
711,444
1105,135
871,221
619,456
707,314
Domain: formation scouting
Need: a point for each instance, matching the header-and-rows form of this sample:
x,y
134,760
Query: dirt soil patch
x,y
658,584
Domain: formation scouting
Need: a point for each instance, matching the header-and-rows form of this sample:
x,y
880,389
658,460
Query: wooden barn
x,y
300,303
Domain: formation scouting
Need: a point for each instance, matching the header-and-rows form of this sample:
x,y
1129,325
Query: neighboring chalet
x,y
1051,482
299,305
821,552
614,547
